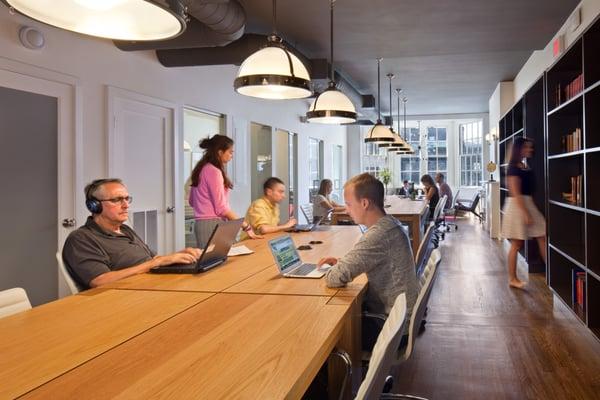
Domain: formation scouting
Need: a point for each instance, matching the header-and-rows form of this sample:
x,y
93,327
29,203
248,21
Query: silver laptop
x,y
288,261
306,227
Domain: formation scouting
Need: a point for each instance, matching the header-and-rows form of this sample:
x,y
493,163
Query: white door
x,y
141,153
67,201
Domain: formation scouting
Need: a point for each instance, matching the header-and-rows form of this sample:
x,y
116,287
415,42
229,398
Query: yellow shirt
x,y
261,212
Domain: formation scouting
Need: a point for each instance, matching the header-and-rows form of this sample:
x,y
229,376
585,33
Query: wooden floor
x,y
486,341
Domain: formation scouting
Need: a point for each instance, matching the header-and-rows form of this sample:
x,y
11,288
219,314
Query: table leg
x,y
416,232
351,343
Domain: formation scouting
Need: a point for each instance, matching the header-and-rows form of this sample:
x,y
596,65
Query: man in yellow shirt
x,y
263,214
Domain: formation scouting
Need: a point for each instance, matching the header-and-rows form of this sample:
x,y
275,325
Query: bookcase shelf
x,y
526,119
570,241
592,122
565,183
574,229
592,187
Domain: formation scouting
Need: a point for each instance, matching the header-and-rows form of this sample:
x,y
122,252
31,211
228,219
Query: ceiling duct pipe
x,y
212,23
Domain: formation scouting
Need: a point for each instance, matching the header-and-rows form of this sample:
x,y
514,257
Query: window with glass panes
x,y
471,153
315,166
437,151
411,165
374,158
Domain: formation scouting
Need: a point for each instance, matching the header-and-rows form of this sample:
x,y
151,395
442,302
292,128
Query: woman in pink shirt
x,y
209,194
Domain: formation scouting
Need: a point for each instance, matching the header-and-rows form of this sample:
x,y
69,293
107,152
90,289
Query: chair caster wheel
x,y
387,386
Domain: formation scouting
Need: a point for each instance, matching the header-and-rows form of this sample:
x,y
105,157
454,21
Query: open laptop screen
x,y
285,252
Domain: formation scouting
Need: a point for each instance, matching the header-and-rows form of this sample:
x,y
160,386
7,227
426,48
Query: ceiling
x,y
447,55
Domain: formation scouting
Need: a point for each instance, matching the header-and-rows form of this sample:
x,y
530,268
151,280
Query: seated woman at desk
x,y
322,203
431,192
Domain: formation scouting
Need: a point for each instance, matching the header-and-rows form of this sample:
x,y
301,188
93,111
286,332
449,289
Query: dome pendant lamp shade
x,y
398,143
379,133
331,106
273,72
408,150
137,20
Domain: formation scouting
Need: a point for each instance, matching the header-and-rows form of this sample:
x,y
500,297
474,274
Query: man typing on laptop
x,y
105,250
383,252
263,214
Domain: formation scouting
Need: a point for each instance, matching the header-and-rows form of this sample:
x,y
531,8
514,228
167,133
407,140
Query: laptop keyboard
x,y
305,269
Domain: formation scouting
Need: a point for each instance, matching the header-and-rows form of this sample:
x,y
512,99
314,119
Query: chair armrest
x,y
381,317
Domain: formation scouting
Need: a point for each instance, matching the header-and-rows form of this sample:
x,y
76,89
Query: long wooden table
x,y
410,212
238,331
234,346
38,345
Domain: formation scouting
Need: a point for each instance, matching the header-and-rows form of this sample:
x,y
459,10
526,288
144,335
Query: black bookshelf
x,y
526,119
573,156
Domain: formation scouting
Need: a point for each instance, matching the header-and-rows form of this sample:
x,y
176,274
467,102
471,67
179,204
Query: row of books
x,y
572,141
575,195
580,289
563,94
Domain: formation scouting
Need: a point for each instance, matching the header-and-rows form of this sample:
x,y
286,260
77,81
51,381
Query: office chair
x,y
66,275
470,207
450,213
307,211
13,301
382,355
401,355
427,245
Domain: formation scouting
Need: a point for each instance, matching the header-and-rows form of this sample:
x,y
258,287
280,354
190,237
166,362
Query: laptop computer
x,y
215,253
288,261
306,227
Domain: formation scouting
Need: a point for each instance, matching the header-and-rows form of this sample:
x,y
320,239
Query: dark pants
x,y
371,327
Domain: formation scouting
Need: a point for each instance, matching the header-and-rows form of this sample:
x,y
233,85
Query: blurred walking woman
x,y
209,194
522,220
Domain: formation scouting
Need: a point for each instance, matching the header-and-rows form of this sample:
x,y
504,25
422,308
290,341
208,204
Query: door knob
x,y
68,222
170,209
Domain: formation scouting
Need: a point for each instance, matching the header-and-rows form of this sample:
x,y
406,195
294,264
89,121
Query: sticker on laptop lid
x,y
210,248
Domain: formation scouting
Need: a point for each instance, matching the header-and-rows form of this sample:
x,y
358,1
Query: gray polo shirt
x,y
91,251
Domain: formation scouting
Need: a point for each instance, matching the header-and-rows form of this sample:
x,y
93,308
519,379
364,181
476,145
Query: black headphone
x,y
93,204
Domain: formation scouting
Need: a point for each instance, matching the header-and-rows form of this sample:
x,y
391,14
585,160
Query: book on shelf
x,y
572,141
580,289
563,94
575,195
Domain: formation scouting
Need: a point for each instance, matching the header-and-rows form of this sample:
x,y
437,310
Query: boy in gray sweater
x,y
383,253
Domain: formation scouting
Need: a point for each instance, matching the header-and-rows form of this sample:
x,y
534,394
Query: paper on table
x,y
239,250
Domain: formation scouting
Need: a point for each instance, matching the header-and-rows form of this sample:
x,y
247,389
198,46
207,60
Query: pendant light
x,y
379,133
331,106
408,150
398,143
137,20
273,72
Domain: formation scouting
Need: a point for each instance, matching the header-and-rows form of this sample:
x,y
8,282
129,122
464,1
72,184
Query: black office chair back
x,y
425,248
475,202
418,312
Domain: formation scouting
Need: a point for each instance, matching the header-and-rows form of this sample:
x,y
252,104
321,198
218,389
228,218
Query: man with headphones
x,y
105,250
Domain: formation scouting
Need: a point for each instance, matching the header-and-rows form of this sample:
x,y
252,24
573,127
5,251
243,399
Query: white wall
x,y
95,63
540,60
501,101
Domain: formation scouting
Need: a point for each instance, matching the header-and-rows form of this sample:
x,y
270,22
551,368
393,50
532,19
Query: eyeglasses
x,y
119,200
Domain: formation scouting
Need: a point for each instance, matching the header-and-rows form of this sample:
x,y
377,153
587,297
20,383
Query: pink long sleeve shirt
x,y
210,199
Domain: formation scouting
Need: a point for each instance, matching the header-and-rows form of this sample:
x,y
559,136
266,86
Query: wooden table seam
x,y
114,347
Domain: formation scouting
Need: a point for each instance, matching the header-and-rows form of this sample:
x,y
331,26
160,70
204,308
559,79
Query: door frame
x,y
176,110
68,92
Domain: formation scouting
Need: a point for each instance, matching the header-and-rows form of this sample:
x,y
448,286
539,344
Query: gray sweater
x,y
384,254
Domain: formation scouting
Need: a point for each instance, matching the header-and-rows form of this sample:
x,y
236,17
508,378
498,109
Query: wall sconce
x,y
492,136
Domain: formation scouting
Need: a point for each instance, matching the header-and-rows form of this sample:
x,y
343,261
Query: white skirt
x,y
513,221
